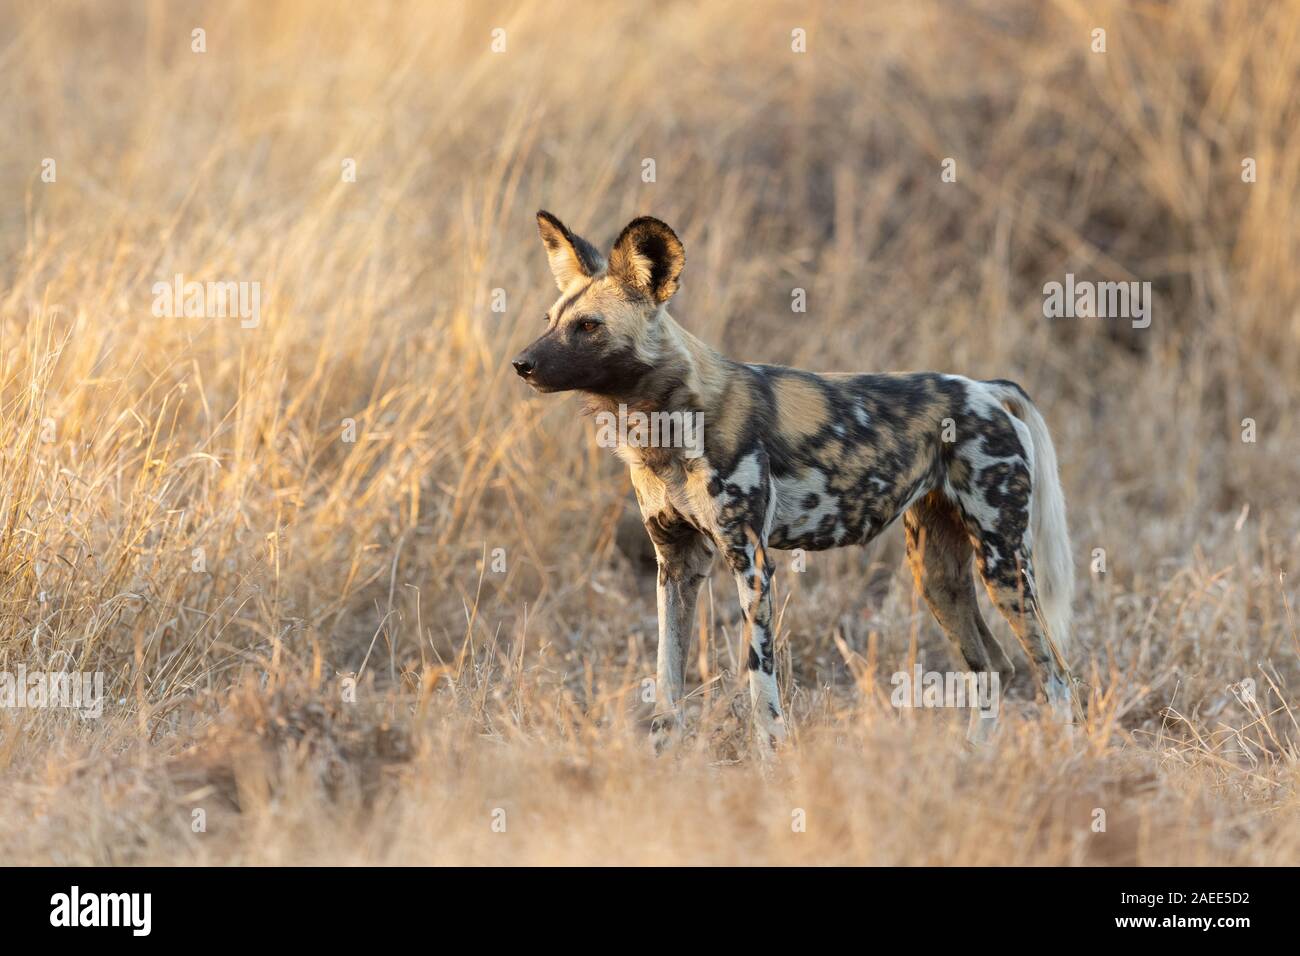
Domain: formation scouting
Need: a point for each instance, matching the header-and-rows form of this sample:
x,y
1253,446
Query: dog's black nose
x,y
523,367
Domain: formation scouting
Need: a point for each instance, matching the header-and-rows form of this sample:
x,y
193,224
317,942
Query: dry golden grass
x,y
128,441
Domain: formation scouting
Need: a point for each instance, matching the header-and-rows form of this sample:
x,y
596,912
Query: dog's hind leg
x,y
939,552
1010,499
1004,559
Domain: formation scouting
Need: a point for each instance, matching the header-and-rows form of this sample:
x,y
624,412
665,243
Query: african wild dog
x,y
794,459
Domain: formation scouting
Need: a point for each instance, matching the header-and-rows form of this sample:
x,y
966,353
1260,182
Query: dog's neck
x,y
686,376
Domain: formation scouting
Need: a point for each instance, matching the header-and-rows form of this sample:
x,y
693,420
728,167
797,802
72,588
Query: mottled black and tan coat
x,y
793,459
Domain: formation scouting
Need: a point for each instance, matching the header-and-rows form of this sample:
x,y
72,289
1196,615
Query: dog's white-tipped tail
x,y
1053,559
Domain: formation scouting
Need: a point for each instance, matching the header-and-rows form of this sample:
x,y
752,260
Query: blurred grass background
x,y
129,442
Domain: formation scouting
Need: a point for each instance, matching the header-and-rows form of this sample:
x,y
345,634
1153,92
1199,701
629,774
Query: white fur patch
x,y
790,494
747,474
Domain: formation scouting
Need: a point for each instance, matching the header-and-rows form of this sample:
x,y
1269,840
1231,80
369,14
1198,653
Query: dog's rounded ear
x,y
571,256
648,257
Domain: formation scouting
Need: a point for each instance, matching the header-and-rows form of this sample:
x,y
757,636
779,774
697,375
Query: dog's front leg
x,y
744,513
753,573
676,599
684,558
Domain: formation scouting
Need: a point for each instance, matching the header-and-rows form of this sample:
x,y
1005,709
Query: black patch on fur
x,y
1000,439
670,531
1007,383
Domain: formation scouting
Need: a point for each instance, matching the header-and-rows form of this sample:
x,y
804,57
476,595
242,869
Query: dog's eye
x,y
589,325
